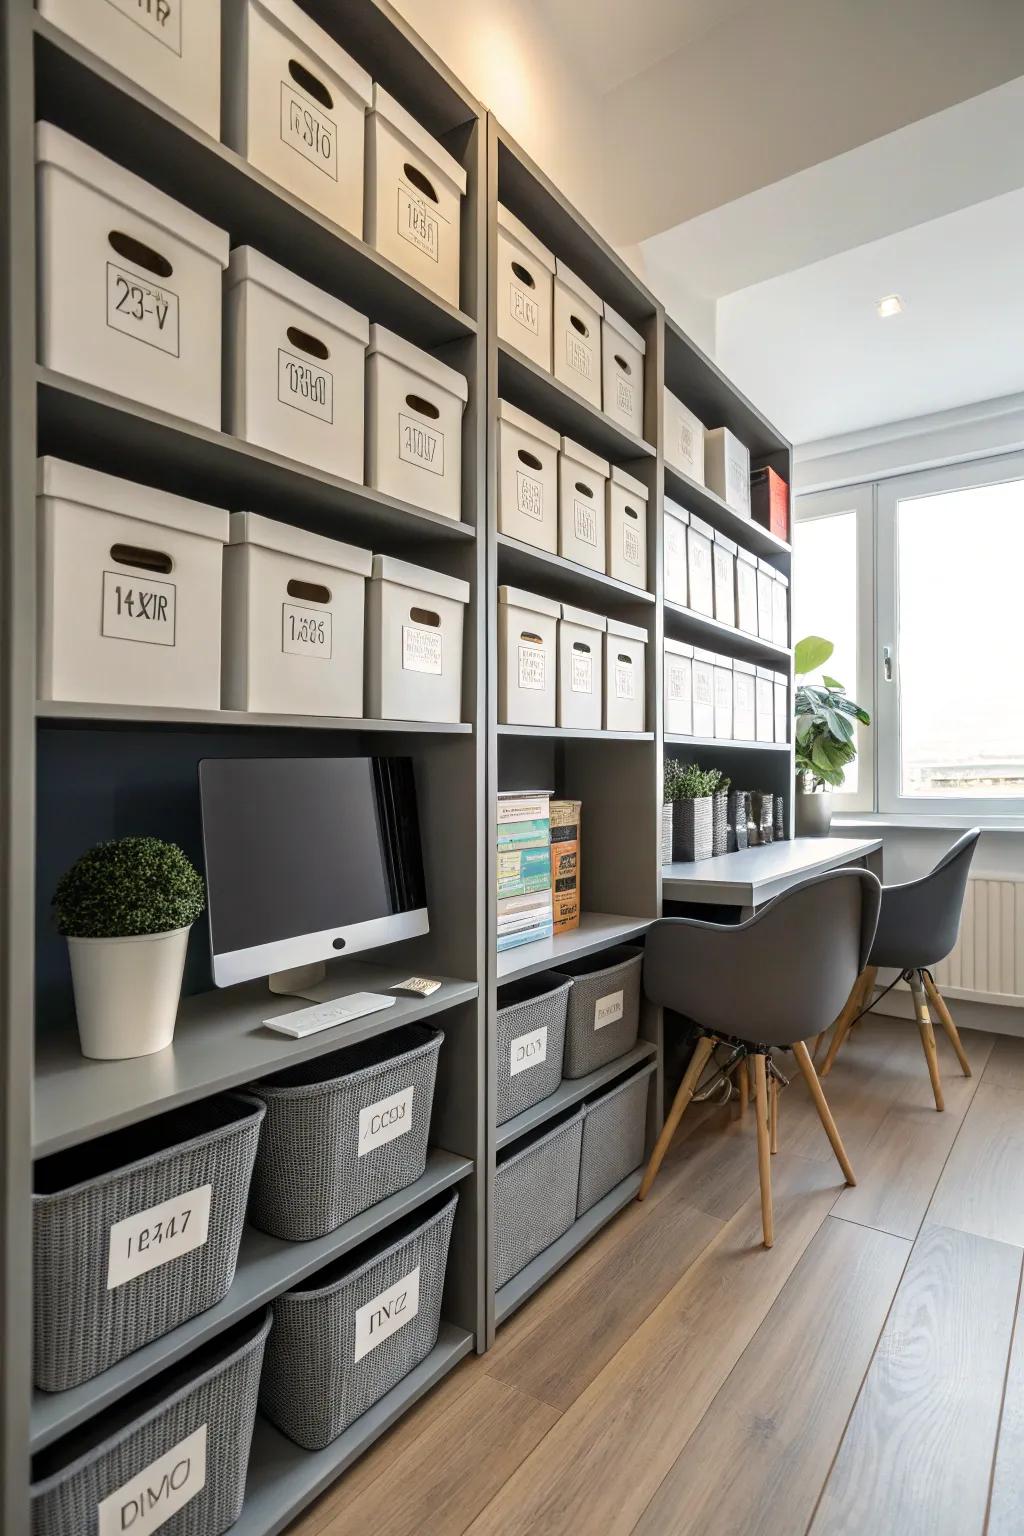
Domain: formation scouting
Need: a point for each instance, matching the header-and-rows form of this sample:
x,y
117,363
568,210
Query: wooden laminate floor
x,y
863,1378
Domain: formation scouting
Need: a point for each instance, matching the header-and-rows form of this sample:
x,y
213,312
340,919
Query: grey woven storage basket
x,y
80,1326
201,1410
323,1368
535,1187
603,1016
613,1138
530,1041
310,1175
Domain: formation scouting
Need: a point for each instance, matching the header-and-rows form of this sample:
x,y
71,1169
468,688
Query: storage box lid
x,y
629,483
782,580
729,544
109,493
763,565
782,680
525,237
724,662
55,147
417,361
515,597
538,429
767,673
744,666
249,265
283,539
627,631
684,410
292,19
746,556
584,619
726,435
700,654
417,136
700,526
580,455
673,509
419,577
677,648
567,276
625,330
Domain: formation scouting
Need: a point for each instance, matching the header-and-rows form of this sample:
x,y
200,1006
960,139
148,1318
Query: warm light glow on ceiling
x,y
891,305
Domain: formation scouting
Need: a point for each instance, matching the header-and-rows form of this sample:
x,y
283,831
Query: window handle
x,y
887,663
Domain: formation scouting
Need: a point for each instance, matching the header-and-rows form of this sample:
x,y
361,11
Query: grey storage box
x,y
136,1232
614,1127
351,1332
530,1041
343,1132
603,1017
172,1456
536,1184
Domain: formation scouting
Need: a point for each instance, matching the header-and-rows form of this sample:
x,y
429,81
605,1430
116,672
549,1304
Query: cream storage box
x,y
780,609
414,406
293,620
675,529
744,677
699,541
414,624
781,691
764,704
527,651
294,366
723,684
170,48
625,649
746,590
576,334
294,104
723,560
527,478
703,692
525,289
414,192
582,477
623,350
626,551
678,688
727,468
684,439
765,601
129,591
580,668
129,282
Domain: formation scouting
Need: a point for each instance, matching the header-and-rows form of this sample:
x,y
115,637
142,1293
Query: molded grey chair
x,y
917,927
775,980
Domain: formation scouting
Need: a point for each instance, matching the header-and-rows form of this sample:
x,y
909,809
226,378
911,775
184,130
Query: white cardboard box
x,y
414,623
765,600
129,591
170,48
295,366
676,527
746,590
525,289
129,282
294,104
780,609
582,476
727,468
527,478
414,192
723,698
627,528
781,689
764,704
744,677
625,649
414,406
678,688
684,439
580,668
699,539
577,312
623,350
527,652
703,692
723,559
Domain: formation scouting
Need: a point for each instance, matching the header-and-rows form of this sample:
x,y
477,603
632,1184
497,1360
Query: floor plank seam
x,y
1002,1401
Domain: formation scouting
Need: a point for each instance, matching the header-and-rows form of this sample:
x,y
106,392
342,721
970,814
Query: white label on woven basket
x,y
386,1313
608,1010
158,1235
151,1497
528,1051
385,1120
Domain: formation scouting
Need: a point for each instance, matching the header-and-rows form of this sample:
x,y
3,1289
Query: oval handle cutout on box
x,y
530,459
522,274
419,181
623,364
581,645
308,591
142,559
530,637
307,343
626,661
425,407
630,513
138,254
584,490
425,616
578,324
310,84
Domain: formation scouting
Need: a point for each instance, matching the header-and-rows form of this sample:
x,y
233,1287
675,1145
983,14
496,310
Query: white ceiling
x,y
612,41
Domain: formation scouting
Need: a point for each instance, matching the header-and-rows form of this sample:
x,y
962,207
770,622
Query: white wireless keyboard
x,y
341,1010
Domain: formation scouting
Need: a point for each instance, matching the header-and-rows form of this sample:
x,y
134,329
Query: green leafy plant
x,y
688,781
824,720
131,886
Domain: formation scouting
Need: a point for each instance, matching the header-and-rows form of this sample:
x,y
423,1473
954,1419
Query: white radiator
x,y
987,964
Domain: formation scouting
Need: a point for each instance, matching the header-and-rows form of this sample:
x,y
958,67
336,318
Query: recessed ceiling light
x,y
891,305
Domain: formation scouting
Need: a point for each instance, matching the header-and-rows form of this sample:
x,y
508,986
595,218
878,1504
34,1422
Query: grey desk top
x,y
753,876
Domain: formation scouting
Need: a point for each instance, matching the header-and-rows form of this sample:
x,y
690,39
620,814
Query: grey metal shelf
x,y
564,581
62,713
717,741
570,733
533,389
697,628
572,1090
597,930
710,506
267,1266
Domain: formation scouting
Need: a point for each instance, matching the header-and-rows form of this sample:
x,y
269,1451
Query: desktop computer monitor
x,y
308,858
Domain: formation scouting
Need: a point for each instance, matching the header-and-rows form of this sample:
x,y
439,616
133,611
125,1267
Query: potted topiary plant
x,y
690,791
824,738
126,908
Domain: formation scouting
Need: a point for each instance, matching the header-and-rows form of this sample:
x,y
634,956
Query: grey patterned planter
x,y
666,833
692,831
720,823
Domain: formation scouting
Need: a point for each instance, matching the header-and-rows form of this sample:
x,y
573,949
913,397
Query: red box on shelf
x,y
769,502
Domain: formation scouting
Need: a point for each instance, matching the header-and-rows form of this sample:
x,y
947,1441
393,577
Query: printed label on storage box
x,y
679,682
529,496
383,1121
421,650
156,1236
630,544
625,680
584,522
623,394
308,131
149,1499
608,1010
532,667
528,1051
386,1313
305,631
523,309
582,678
160,18
420,445
138,610
687,442
304,386
139,308
578,355
703,685
417,223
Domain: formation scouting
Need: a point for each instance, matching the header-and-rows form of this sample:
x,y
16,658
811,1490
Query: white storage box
x,y
780,609
625,647
744,676
527,478
414,621
699,539
723,557
627,528
580,668
678,688
414,192
295,366
781,688
764,704
171,48
581,505
676,527
129,591
622,372
765,600
527,648
703,692
576,334
727,468
525,289
293,620
684,439
414,406
294,104
129,282
746,590
723,698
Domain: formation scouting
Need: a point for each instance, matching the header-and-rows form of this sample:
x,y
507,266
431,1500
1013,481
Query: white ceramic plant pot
x,y
127,992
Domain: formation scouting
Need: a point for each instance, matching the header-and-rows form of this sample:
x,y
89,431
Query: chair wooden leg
x,y
815,1048
702,1050
764,1166
938,1002
842,1025
804,1062
773,1113
743,1083
924,1024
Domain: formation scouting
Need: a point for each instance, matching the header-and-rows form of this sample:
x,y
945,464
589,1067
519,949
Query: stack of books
x,y
524,869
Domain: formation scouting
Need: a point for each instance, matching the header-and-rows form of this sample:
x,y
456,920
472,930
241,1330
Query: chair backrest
x,y
782,976
920,920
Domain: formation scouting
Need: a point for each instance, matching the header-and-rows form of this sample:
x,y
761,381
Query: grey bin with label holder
x,y
351,1332
174,1188
529,1042
603,1017
614,1127
535,1188
343,1132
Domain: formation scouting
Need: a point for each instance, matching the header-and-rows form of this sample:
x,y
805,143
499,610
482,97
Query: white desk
x,y
752,876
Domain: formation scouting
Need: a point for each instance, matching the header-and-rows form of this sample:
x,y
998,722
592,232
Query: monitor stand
x,y
302,981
